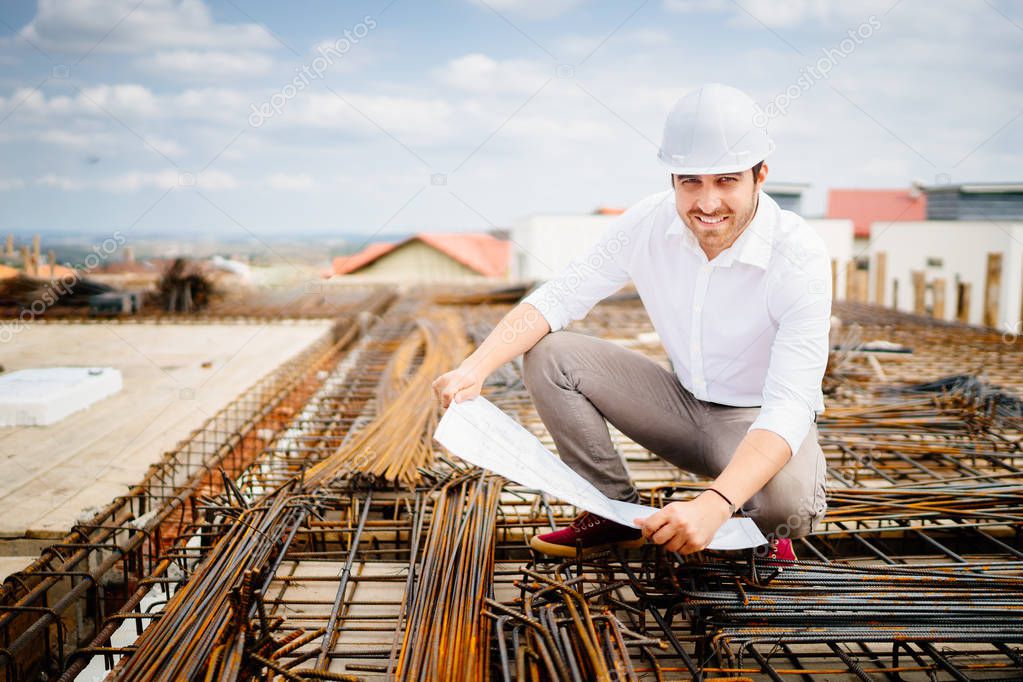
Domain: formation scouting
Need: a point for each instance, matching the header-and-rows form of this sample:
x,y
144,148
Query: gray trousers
x,y
577,382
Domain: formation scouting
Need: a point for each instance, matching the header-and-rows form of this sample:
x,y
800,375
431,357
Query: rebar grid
x,y
915,574
61,600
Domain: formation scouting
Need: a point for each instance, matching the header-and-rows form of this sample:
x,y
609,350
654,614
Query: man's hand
x,y
458,385
686,527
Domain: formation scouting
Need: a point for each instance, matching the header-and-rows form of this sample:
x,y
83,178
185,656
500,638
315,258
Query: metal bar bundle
x,y
398,442
196,622
446,636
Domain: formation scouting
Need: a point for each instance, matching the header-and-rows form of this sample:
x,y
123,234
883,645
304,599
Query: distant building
x,y
838,239
966,270
427,257
788,195
960,257
975,201
867,206
543,245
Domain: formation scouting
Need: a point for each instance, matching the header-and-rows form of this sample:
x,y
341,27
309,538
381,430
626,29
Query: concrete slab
x,y
175,377
42,396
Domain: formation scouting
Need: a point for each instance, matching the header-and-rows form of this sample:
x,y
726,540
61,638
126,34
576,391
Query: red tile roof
x,y
480,252
344,265
866,206
609,210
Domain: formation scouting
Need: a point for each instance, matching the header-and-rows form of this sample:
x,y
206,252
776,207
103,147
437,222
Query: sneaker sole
x,y
566,552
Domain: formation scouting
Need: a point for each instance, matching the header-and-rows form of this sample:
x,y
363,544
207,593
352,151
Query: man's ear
x,y
671,180
762,175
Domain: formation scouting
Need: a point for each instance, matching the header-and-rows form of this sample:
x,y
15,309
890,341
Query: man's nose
x,y
708,202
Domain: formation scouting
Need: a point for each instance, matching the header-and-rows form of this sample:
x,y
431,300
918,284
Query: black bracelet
x,y
731,507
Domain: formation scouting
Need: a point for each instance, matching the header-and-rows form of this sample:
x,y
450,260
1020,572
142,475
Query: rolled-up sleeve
x,y
800,302
591,277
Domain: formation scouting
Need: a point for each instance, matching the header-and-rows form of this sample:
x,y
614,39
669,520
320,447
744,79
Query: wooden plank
x,y
938,292
862,285
992,289
919,288
834,278
963,302
880,272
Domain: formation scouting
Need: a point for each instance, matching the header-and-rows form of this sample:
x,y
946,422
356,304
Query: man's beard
x,y
721,239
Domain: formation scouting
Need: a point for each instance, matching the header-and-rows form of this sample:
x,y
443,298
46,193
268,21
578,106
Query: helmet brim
x,y
716,169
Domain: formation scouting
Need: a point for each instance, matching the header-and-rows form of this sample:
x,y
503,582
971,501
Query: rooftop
x,y
866,206
482,253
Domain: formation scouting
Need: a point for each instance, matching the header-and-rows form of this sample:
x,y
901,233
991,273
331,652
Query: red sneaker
x,y
781,550
589,532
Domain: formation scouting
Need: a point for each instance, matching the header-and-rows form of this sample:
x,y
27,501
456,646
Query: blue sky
x,y
469,114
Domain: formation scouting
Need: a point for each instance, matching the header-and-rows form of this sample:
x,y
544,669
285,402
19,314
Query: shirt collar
x,y
753,246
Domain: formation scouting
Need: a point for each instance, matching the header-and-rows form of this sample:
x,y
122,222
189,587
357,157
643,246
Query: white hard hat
x,y
714,129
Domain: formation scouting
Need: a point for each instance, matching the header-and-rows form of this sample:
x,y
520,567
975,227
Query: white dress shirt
x,y
749,328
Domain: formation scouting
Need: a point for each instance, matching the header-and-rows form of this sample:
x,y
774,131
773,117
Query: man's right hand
x,y
458,385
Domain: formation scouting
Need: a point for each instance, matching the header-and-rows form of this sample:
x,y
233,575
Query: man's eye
x,y
728,179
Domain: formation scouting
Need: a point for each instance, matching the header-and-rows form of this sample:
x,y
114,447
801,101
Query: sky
x,y
235,117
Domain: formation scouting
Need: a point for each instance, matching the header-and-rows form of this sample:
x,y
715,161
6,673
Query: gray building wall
x,y
786,201
954,204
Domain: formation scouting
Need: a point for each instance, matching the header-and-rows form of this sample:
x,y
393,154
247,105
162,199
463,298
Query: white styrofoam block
x,y
37,397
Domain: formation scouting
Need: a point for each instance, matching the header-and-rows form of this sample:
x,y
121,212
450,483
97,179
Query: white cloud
x,y
133,101
66,138
166,146
60,182
8,184
424,119
479,73
128,99
134,181
284,181
781,14
215,179
207,65
81,25
559,129
531,9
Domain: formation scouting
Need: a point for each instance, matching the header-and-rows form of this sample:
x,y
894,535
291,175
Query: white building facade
x,y
951,254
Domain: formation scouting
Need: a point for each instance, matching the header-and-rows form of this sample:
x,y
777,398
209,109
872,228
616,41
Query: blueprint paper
x,y
480,433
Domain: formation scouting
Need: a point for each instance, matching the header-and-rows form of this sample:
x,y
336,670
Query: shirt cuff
x,y
544,300
790,420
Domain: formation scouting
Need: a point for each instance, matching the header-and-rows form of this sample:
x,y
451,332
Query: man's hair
x,y
755,169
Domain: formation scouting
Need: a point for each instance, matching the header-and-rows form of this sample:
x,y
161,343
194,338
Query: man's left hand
x,y
686,527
